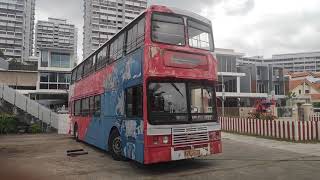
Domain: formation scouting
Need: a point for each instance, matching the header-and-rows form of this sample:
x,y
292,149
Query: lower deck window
x,y
134,102
77,108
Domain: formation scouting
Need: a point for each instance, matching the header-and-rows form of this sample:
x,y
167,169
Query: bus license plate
x,y
191,153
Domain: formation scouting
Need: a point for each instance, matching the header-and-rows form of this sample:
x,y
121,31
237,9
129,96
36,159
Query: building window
x,y
261,88
60,60
277,89
258,71
44,58
307,91
299,91
134,102
55,81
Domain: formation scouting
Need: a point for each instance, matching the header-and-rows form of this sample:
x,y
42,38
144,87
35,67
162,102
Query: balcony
x,y
22,67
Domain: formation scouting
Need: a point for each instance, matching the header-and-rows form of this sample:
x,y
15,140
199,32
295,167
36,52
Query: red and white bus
x,y
148,94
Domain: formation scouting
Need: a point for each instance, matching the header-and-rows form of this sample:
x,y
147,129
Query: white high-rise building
x,y
56,37
56,48
16,28
293,62
104,18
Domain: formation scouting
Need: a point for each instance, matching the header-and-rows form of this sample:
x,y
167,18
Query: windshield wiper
x,y
176,88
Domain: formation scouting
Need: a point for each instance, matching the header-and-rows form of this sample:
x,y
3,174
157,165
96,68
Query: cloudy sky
x,y
254,27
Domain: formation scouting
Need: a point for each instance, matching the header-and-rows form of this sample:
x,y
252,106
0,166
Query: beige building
x,y
305,85
24,81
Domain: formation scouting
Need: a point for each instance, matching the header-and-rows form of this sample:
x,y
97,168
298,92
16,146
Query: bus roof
x,y
175,10
157,8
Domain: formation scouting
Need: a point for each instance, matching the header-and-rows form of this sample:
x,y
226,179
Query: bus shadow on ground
x,y
169,167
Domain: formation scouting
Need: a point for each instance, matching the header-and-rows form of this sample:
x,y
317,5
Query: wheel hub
x,y
116,145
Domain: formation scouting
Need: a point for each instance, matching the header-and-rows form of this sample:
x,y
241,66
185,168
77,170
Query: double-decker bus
x,y
148,94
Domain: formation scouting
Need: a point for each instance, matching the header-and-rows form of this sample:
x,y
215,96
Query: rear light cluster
x,y
215,135
160,140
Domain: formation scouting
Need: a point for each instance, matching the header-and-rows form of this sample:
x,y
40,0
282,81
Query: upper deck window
x,y
168,29
200,36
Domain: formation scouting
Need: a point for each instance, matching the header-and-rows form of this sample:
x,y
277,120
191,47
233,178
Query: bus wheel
x,y
115,146
76,132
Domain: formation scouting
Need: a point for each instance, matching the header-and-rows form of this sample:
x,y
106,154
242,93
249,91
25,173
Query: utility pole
x,y
223,99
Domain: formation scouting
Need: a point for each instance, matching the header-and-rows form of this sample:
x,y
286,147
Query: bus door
x,y
132,124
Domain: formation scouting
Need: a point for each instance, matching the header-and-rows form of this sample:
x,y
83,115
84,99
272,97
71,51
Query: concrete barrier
x,y
286,130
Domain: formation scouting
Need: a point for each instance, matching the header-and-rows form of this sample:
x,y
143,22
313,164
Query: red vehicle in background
x,y
148,94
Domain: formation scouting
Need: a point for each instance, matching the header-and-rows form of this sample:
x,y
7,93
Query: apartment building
x,y
56,36
16,28
231,87
293,62
56,49
263,78
104,18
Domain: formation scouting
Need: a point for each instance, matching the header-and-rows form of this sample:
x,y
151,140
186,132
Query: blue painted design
x,y
126,72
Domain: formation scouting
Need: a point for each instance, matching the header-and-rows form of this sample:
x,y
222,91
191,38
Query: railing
x,y
305,131
22,67
30,106
315,116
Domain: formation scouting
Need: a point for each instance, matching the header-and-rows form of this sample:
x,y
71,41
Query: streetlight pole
x,y
222,98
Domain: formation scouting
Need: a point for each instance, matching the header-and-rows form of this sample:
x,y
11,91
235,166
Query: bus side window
x,y
85,107
97,105
120,41
91,104
141,32
133,102
112,52
77,108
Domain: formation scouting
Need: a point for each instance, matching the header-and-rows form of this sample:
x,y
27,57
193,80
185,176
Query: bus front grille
x,y
189,135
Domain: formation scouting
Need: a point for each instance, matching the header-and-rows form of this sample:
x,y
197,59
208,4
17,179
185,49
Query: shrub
x,y
8,124
35,128
262,116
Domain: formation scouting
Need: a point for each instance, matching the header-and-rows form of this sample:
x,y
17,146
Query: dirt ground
x,y
44,157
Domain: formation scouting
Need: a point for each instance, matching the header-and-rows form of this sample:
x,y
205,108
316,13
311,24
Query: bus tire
x,y
115,147
76,133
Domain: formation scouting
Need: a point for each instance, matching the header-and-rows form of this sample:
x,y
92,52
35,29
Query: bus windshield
x,y
200,36
170,29
179,102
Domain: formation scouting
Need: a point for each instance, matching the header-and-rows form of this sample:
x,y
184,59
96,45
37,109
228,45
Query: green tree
x,y
2,55
289,97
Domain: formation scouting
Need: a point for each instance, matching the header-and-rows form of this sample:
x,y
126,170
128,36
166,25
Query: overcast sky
x,y
254,27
